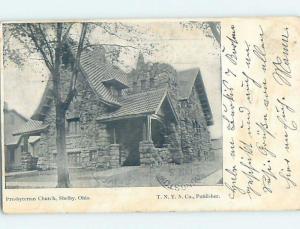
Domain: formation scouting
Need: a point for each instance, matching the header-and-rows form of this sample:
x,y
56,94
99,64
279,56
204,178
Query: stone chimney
x,y
140,62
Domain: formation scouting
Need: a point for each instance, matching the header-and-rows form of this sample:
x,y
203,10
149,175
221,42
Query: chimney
x,y
140,61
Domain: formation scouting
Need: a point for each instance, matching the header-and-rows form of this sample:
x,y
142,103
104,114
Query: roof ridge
x,y
17,113
143,92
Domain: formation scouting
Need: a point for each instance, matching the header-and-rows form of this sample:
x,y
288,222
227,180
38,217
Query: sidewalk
x,y
21,173
128,176
213,178
36,179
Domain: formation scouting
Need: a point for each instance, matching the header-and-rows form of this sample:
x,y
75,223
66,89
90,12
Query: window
x,y
197,127
93,155
115,92
143,84
11,155
74,159
73,126
151,82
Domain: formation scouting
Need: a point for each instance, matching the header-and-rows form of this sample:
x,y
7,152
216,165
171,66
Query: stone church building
x,y
152,115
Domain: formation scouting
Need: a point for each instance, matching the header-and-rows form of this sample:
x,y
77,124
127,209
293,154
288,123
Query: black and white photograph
x,y
112,104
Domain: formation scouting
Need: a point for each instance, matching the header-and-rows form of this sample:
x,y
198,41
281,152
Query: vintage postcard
x,y
150,115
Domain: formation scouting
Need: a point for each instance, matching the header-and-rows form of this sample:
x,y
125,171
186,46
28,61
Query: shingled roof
x,y
137,105
31,127
186,80
9,139
98,73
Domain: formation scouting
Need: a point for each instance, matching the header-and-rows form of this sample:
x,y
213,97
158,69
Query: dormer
x,y
114,87
115,82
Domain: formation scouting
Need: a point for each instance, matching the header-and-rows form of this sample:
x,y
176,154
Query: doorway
x,y
129,134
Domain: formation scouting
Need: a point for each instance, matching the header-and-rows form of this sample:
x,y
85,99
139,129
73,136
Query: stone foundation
x,y
43,163
149,155
28,162
85,159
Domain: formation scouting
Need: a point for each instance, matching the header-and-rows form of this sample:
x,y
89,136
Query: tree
x,y
47,42
209,28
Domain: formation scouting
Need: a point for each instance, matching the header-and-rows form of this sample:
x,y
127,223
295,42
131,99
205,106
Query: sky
x,y
179,47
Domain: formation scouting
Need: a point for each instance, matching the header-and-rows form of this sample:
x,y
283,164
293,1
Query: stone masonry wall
x,y
92,136
149,155
195,137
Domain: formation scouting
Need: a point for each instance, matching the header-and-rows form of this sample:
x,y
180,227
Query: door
x,y
130,137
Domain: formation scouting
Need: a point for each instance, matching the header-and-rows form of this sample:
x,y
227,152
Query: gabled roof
x,y
6,109
31,127
186,80
138,104
33,139
98,73
11,140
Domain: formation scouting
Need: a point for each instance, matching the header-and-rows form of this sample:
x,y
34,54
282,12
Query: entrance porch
x,y
140,140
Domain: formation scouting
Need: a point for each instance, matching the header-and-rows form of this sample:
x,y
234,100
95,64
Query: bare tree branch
x,y
72,90
114,45
67,33
47,43
40,49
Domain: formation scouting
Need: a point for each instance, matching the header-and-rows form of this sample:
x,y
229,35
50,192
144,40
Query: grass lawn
x,y
130,176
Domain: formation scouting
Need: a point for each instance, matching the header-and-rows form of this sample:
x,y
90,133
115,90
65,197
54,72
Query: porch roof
x,y
9,139
31,127
137,105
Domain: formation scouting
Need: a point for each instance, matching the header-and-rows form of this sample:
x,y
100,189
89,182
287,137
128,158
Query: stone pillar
x,y
43,163
114,152
25,143
146,150
28,162
175,144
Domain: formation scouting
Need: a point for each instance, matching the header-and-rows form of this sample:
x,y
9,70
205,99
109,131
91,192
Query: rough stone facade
x,y
195,138
153,156
90,144
94,144
190,139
